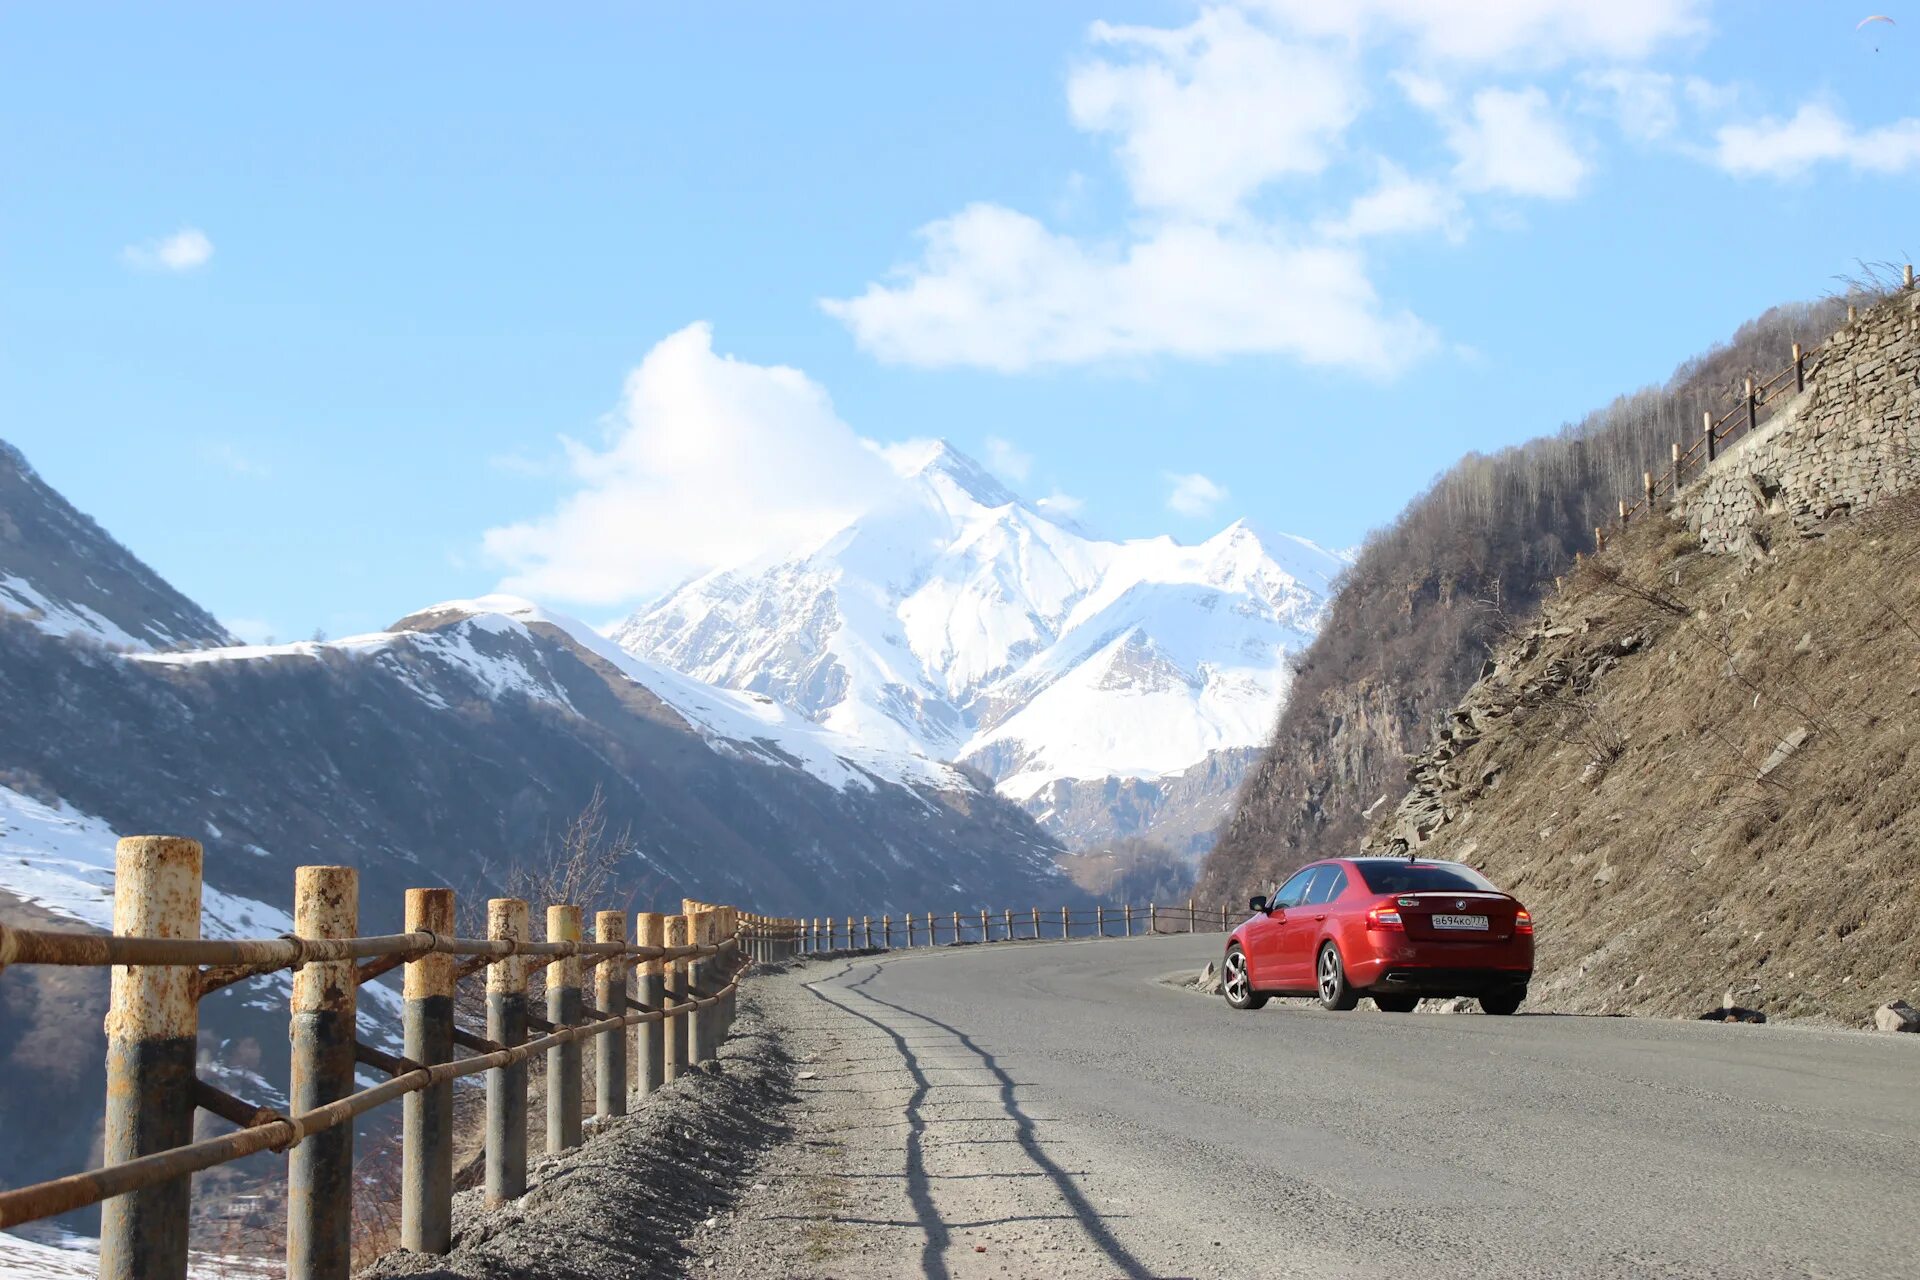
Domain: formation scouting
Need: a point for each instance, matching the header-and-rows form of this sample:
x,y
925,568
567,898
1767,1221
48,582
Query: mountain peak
x,y
935,460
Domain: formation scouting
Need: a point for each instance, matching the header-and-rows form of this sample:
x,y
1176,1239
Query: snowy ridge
x,y
493,641
956,620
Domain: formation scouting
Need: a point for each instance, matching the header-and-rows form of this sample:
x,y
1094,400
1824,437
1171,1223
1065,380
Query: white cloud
x,y
710,460
185,250
995,288
1642,101
228,457
1508,32
1398,205
1207,114
1512,142
1064,504
1004,457
1194,495
1817,134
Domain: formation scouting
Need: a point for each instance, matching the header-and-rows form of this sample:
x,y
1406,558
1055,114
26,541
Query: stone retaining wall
x,y
1851,440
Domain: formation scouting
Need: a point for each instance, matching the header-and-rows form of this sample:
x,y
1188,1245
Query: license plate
x,y
1459,922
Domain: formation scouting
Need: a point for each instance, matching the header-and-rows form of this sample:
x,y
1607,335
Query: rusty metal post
x,y
650,1038
675,1028
152,1026
326,904
610,998
507,1086
426,1153
563,1010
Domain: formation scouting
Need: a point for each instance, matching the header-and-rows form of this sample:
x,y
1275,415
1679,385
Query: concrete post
x,y
152,1026
507,1086
610,997
426,1153
326,904
563,1010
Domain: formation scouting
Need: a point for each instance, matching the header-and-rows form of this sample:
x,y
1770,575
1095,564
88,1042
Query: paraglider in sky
x,y
1872,18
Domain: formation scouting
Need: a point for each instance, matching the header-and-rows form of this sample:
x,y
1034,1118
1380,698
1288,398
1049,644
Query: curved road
x,y
1056,1110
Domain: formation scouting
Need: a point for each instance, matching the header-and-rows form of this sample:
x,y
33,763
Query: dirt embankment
x,y
1702,773
629,1200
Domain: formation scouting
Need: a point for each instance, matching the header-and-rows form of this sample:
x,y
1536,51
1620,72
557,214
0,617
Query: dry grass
x,y
1676,871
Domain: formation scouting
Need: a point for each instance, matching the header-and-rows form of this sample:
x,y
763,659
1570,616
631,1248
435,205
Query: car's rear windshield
x,y
1390,875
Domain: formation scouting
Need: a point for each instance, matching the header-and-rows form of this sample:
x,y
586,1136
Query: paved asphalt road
x,y
1149,1131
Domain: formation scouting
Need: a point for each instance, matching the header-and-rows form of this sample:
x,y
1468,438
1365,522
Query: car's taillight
x,y
1384,918
1523,921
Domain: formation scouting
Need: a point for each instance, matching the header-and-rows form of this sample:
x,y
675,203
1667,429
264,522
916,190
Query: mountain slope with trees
x,y
1428,597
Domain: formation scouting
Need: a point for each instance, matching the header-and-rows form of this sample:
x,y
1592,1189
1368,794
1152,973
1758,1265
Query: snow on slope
x,y
956,620
477,637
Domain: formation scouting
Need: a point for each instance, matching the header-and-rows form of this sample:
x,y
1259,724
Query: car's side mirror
x,y
1257,903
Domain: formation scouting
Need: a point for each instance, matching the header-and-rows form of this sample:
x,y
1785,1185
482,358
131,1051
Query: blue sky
x,y
332,314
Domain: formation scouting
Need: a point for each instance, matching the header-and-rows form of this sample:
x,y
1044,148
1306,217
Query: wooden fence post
x,y
1036,924
326,904
676,974
1009,922
1100,920
1752,406
956,928
886,931
152,1028
1646,480
650,1038
701,931
507,1086
866,932
1674,451
610,998
563,1010
1066,924
426,1151
1127,913
1799,369
1153,918
1190,916
986,929
909,930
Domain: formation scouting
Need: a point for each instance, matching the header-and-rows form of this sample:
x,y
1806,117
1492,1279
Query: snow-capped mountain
x,y
957,620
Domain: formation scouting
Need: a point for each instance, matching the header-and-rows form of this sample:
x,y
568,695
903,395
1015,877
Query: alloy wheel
x,y
1329,975
1234,982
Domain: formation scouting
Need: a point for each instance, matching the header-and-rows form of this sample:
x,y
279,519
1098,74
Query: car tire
x,y
1503,1004
1396,1004
1330,977
1235,984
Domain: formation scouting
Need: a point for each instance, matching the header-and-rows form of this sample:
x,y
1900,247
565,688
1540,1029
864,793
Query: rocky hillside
x,y
1700,764
1432,594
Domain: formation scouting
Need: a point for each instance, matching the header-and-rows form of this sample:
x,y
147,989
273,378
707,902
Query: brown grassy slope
x,y
1415,616
1630,814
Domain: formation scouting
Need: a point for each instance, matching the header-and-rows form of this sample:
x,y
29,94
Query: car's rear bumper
x,y
1436,980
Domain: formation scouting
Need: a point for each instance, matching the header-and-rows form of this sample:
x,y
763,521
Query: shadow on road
x,y
919,1185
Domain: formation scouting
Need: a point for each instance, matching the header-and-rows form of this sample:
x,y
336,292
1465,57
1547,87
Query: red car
x,y
1392,929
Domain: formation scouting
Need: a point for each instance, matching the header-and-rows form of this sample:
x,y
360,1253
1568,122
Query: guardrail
x,y
1717,434
870,932
680,1008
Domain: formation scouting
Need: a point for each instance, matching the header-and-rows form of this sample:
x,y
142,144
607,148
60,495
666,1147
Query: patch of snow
x,y
71,618
61,1255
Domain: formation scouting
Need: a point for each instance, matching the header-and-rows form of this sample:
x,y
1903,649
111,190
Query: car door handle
x,y
1321,916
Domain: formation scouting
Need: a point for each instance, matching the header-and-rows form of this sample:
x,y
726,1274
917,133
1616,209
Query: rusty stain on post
x,y
610,997
507,1026
426,1176
563,1010
326,904
152,1024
